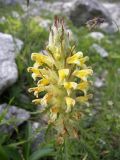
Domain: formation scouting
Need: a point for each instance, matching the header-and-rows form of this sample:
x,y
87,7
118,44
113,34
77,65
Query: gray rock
x,y
114,10
98,49
15,15
99,83
2,19
96,35
12,117
38,130
45,23
8,68
84,10
12,1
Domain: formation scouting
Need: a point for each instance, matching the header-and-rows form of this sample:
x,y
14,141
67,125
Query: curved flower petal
x,y
70,103
43,82
63,73
36,101
84,99
42,59
69,85
83,74
75,59
36,90
45,99
54,111
83,86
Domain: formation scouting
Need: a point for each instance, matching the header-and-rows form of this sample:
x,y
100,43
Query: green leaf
x,y
27,145
3,138
41,153
13,153
3,155
2,115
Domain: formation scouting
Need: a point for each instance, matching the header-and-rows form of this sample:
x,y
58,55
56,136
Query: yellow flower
x,y
70,85
42,59
70,103
83,74
36,101
84,99
83,86
75,59
35,72
54,111
45,99
36,90
61,73
43,82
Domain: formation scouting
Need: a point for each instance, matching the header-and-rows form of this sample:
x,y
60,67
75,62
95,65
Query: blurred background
x,y
24,28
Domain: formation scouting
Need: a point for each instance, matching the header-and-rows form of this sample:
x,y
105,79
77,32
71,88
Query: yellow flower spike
x,y
63,73
83,74
70,103
36,101
75,59
70,85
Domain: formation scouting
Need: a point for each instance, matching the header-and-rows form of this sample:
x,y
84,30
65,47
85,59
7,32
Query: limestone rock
x,y
8,68
84,10
96,35
114,10
12,117
98,49
12,1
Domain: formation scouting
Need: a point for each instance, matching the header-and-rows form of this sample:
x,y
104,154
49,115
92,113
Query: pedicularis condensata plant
x,y
61,73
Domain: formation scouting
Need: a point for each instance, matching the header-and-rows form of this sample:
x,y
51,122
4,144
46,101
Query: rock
x,y
99,83
84,10
110,103
118,70
98,49
38,131
15,15
12,1
106,27
8,68
2,19
12,117
45,23
114,10
96,35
